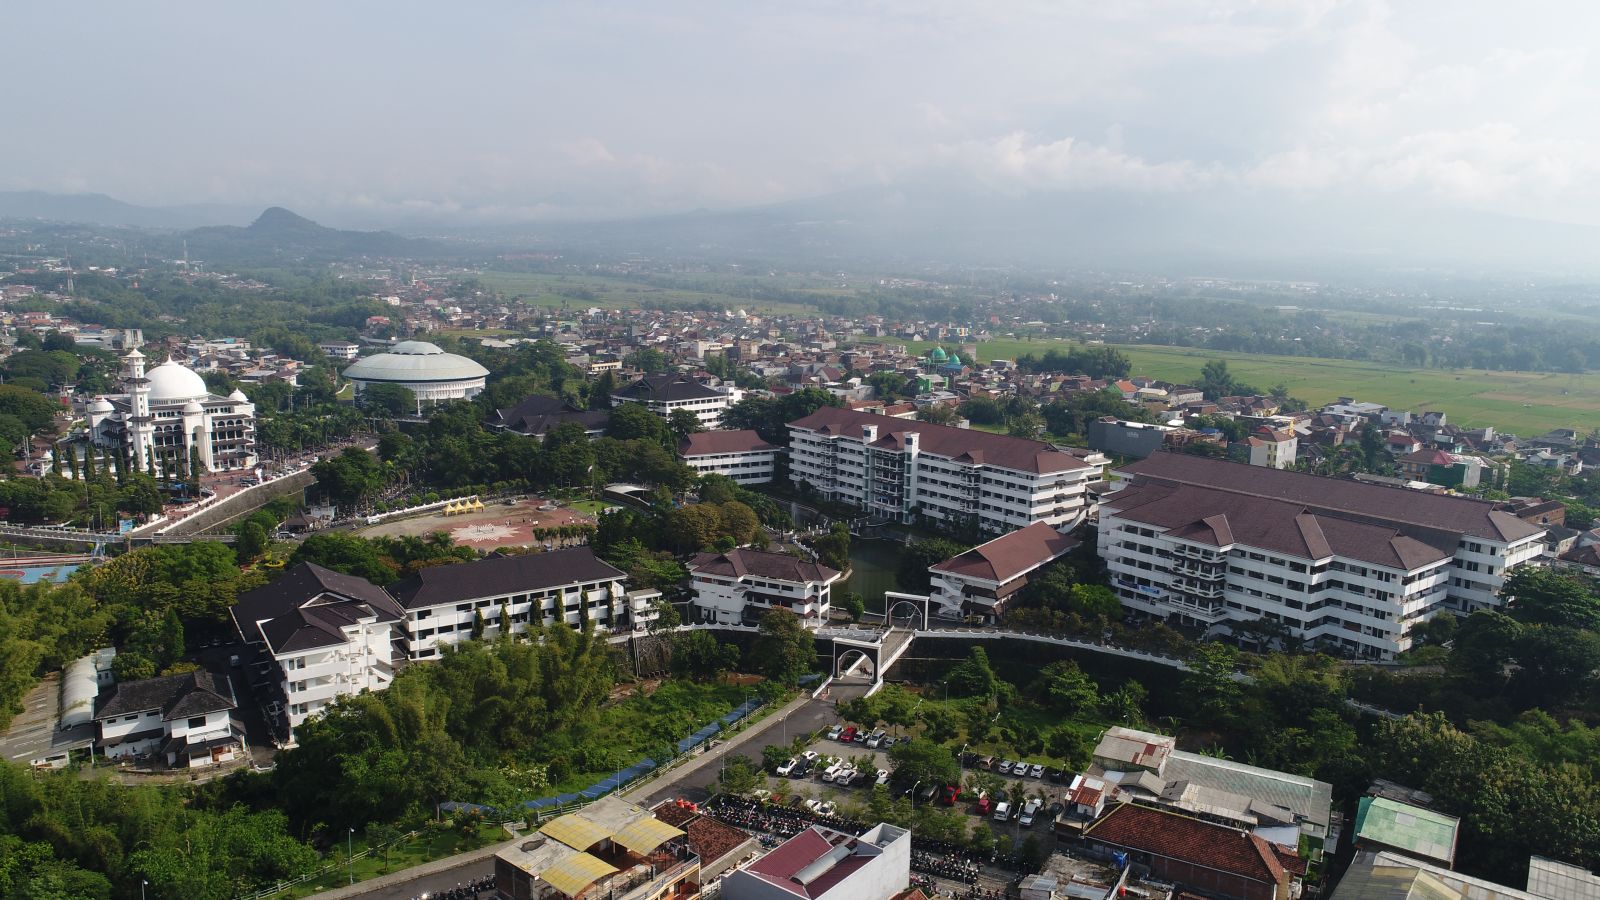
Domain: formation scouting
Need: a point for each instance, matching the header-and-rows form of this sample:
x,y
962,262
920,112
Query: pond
x,y
873,564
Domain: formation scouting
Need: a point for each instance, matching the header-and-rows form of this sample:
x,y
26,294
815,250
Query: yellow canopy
x,y
575,831
576,872
646,835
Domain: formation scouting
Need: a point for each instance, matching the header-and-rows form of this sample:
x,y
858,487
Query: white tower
x,y
141,430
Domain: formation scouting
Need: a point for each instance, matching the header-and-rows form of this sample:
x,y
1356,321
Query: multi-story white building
x,y
442,603
661,394
740,455
980,581
1275,448
328,634
898,469
823,864
736,587
1357,566
185,719
345,350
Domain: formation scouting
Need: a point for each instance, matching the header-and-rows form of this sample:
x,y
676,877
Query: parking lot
x,y
826,778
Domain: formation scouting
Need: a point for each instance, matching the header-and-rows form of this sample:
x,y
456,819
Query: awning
x,y
646,835
571,875
575,831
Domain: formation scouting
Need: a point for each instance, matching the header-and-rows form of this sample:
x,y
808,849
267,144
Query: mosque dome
x,y
172,381
954,363
101,405
937,355
238,396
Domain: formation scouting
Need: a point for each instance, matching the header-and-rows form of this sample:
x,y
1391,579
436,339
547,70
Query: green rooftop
x,y
1407,828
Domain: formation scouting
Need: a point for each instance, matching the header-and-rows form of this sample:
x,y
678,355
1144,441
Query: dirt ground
x,y
496,525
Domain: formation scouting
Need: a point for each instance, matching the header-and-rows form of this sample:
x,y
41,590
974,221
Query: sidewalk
x,y
684,770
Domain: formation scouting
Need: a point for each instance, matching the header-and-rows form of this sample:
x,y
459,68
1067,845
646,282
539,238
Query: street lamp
x,y
350,852
142,885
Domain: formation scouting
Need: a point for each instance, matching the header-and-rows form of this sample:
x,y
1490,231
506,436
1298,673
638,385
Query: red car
x,y
983,804
950,795
848,735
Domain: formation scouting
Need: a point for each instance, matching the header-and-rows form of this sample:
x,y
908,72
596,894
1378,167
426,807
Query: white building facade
x,y
736,587
981,581
430,374
168,414
740,455
185,719
443,603
899,469
1354,566
663,394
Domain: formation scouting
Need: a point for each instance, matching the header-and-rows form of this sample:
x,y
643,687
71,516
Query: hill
x,y
280,235
99,209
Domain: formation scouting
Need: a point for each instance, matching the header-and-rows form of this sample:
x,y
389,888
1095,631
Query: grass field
x,y
1526,403
539,289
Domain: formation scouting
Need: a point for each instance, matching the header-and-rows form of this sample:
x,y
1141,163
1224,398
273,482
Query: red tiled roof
x,y
1181,838
979,447
703,443
738,563
780,867
1004,558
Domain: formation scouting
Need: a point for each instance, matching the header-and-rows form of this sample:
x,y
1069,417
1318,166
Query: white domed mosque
x,y
168,410
430,374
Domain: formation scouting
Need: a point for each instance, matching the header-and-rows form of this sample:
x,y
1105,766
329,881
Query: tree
x,y
634,421
833,548
392,399
1209,688
648,360
854,605
784,649
681,423
937,414
1065,688
699,655
477,624
1484,644
601,390
739,775
922,761
912,572
773,756
251,543
1536,595
973,676
1028,425
1216,381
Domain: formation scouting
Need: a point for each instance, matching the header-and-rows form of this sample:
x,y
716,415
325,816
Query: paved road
x,y
692,781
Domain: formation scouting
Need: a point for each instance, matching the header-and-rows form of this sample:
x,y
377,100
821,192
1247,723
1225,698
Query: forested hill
x,y
279,233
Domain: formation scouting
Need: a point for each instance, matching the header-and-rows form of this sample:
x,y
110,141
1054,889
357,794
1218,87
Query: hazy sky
x,y
534,108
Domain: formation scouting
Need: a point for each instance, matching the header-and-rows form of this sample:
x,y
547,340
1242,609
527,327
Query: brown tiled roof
x,y
178,696
499,575
1173,836
1004,558
703,443
738,563
1443,512
963,444
308,607
1219,518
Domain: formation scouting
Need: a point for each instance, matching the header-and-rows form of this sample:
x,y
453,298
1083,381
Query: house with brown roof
x,y
1200,856
1352,565
741,455
736,587
980,581
900,470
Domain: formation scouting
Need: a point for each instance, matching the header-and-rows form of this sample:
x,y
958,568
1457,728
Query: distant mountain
x,y
278,234
99,209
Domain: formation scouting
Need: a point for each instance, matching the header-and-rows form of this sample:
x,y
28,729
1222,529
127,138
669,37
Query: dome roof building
x,y
169,414
432,375
937,355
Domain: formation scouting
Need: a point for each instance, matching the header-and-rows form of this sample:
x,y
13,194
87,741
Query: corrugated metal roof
x,y
576,872
646,835
575,831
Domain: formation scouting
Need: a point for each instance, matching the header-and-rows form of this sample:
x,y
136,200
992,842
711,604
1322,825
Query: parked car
x,y
1054,810
883,776
968,760
984,803
834,732
1029,812
986,762
1005,767
1053,775
950,795
820,807
810,756
801,769
875,739
835,772
1036,771
1002,812
927,794
787,769
848,735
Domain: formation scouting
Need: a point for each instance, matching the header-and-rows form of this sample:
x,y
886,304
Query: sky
x,y
504,111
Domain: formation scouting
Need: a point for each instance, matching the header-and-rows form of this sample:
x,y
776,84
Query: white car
x,y
883,776
1005,767
1036,771
875,739
832,772
811,756
820,807
1002,812
788,767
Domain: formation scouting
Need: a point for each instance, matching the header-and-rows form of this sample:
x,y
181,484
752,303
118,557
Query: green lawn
x,y
591,507
1527,403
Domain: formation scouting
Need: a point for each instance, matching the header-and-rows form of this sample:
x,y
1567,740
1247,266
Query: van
x,y
1029,811
1002,811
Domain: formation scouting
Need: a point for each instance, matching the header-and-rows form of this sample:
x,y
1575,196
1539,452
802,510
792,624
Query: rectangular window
x,y
197,722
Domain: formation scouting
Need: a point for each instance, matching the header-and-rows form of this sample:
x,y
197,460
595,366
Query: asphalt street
x,y
691,782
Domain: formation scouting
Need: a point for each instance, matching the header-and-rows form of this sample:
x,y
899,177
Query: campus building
x,y
898,469
430,374
611,850
328,635
663,394
736,587
740,455
980,581
443,603
186,720
1352,565
169,414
